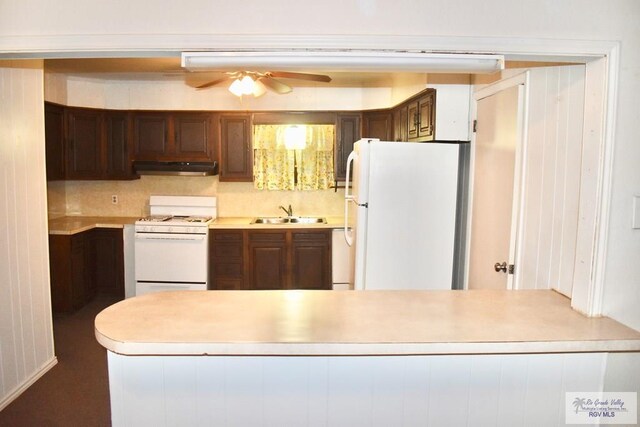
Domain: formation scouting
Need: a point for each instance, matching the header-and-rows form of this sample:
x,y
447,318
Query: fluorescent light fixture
x,y
361,61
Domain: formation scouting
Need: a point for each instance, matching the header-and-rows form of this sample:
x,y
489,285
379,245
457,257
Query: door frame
x,y
517,223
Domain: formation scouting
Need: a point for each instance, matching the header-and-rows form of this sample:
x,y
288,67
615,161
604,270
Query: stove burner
x,y
157,218
176,218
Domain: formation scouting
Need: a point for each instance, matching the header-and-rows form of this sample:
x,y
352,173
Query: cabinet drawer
x,y
306,236
269,236
227,236
227,250
227,269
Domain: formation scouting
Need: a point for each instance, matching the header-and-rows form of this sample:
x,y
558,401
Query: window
x,y
293,157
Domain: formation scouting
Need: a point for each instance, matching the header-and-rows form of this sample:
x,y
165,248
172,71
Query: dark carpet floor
x,y
75,392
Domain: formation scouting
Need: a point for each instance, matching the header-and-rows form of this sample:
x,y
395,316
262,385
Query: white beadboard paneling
x,y
500,390
552,178
25,308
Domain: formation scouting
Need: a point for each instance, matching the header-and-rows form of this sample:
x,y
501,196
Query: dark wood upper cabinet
x,y
377,124
84,144
236,155
117,153
54,141
194,135
174,136
347,132
151,136
422,117
400,123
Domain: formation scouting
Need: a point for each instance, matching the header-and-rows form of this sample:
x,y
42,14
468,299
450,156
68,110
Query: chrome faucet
x,y
288,211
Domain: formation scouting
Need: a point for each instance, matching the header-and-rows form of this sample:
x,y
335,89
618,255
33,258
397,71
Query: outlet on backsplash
x,y
114,199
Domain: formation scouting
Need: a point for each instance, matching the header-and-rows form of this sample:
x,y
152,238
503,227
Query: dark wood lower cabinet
x,y
109,261
268,259
311,260
84,264
226,259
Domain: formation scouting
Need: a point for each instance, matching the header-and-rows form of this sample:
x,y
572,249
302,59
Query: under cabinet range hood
x,y
176,168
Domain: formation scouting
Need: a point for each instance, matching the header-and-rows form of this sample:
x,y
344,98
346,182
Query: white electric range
x,y
171,244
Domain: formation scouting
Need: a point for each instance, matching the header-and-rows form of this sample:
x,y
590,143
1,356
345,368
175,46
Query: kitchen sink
x,y
289,220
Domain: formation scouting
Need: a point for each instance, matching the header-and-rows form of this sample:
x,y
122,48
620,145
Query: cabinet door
x,y
226,259
236,156
60,273
82,283
151,136
84,144
400,123
348,132
412,120
117,146
378,125
311,259
193,136
108,261
54,141
426,113
267,260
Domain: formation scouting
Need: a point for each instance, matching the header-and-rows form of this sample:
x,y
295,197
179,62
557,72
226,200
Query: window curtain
x,y
275,166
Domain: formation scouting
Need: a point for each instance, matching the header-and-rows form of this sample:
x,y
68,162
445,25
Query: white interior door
x,y
495,181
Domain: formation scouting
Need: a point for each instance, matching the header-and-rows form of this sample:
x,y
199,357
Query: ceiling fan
x,y
256,83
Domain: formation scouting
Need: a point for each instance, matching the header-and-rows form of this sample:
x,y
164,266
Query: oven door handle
x,y
170,236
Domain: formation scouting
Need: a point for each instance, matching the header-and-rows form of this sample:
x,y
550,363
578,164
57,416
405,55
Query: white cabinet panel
x,y
451,390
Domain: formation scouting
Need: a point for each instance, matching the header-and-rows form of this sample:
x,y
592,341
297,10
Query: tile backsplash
x,y
93,198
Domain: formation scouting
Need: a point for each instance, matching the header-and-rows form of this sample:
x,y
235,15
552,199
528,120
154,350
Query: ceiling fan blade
x,y
275,85
212,83
300,76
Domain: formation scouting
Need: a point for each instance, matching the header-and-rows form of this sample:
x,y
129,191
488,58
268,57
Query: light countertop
x,y
245,222
355,323
68,225
77,224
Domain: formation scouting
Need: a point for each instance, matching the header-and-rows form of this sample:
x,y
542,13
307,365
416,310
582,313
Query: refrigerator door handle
x,y
350,159
348,237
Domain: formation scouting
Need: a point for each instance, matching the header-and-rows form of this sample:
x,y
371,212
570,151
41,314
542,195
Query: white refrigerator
x,y
405,214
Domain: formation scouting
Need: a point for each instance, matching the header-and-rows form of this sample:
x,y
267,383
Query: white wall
x,y
26,335
176,95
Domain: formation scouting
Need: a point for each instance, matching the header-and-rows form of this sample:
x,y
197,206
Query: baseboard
x,y
13,395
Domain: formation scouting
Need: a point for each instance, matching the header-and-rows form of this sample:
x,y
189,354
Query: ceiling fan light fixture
x,y
247,85
236,88
259,89
244,85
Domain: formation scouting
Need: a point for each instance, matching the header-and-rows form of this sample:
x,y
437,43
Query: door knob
x,y
500,267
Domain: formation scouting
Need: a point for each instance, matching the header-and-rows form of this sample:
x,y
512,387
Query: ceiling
x,y
170,69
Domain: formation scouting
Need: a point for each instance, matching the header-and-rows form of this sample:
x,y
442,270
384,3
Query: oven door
x,y
171,258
